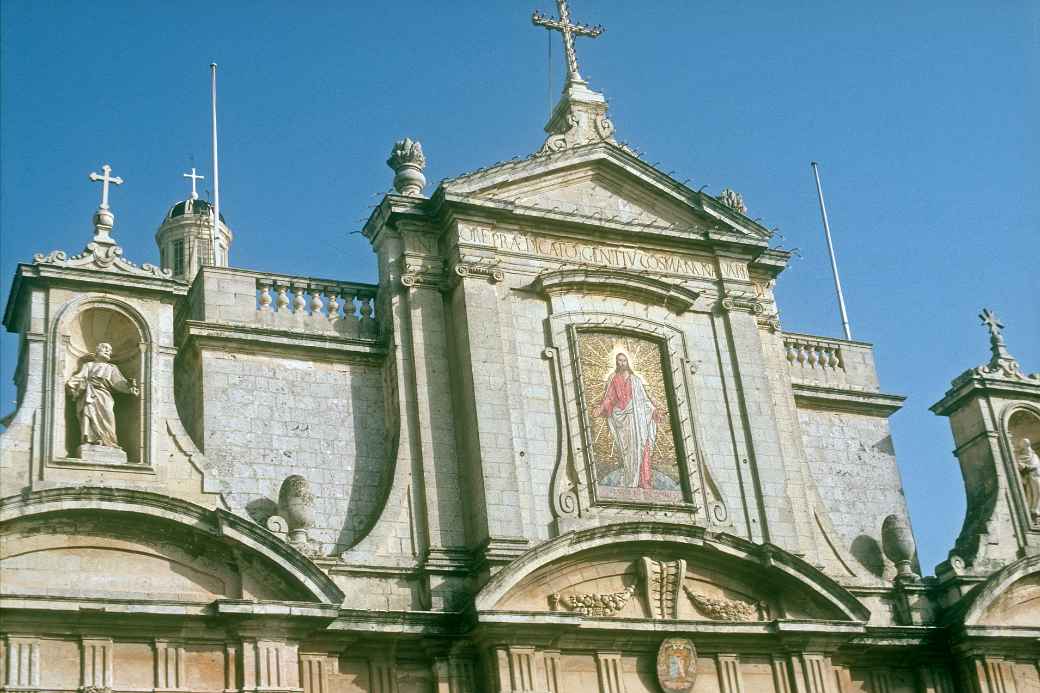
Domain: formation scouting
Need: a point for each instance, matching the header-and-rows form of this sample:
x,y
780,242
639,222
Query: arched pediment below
x,y
662,571
1010,597
92,543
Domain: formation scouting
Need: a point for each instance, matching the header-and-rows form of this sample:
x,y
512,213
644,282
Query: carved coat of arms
x,y
676,665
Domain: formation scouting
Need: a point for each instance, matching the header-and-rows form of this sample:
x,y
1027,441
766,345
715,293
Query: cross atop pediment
x,y
569,31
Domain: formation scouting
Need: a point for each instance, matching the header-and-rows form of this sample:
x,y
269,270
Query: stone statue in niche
x,y
92,388
1029,469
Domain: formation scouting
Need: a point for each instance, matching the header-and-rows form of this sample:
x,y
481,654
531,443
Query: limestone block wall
x,y
266,417
852,460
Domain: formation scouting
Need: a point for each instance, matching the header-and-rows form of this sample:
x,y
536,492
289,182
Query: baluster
x,y
265,294
838,362
316,304
282,302
368,323
801,355
298,303
332,292
814,356
791,353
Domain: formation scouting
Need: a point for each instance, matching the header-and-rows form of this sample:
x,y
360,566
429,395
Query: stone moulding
x,y
621,283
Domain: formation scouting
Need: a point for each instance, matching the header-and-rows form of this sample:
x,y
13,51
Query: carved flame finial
x,y
733,200
408,161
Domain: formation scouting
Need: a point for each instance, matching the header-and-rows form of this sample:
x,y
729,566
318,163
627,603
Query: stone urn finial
x,y
897,541
295,514
407,161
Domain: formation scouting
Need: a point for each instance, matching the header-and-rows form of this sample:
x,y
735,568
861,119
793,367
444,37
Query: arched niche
x,y
1022,427
81,327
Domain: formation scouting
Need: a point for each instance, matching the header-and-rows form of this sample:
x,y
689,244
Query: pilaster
x,y
730,678
22,670
611,676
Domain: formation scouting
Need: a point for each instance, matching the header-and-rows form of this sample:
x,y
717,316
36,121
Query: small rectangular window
x,y
178,257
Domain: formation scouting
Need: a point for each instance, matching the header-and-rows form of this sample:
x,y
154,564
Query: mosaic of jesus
x,y
632,442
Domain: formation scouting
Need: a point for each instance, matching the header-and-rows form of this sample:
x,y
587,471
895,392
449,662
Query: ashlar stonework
x,y
564,444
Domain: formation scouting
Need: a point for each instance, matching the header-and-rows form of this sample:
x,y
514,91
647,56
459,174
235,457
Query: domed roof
x,y
196,206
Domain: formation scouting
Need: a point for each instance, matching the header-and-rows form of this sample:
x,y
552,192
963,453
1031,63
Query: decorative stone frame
x,y
574,499
55,394
1007,445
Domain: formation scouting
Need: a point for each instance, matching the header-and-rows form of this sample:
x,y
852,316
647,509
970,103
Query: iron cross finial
x,y
194,180
105,177
568,31
990,320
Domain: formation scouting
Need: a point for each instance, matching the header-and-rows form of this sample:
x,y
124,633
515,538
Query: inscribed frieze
x,y
618,257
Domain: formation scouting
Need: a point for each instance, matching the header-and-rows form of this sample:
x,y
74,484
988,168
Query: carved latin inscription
x,y
633,259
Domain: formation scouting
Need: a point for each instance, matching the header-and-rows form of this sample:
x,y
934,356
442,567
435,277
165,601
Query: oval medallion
x,y
676,665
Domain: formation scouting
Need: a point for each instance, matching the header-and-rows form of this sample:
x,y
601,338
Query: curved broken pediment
x,y
1010,597
660,571
97,543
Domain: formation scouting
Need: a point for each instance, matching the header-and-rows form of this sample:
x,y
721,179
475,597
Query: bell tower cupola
x,y
187,239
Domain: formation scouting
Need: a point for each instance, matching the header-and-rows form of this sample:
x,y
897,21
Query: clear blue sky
x,y
924,115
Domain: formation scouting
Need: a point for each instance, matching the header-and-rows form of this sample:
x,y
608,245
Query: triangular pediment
x,y
604,183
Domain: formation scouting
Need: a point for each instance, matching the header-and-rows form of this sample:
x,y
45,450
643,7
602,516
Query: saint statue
x,y
632,418
92,388
1029,470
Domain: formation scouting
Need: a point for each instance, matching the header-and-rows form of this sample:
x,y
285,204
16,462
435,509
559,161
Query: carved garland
x,y
593,604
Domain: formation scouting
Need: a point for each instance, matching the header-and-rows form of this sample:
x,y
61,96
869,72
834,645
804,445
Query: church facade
x,y
565,444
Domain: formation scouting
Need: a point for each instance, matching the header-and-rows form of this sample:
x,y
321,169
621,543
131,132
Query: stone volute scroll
x,y
408,161
92,388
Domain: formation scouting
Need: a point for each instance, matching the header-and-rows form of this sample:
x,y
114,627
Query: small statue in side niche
x,y
92,388
1029,470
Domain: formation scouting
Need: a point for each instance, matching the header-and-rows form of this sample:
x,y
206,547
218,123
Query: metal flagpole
x,y
216,166
830,248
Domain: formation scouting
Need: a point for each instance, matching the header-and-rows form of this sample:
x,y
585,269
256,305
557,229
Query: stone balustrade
x,y
293,303
832,362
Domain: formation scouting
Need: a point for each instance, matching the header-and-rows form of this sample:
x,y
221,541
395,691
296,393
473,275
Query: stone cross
x,y
194,179
1001,361
105,178
569,31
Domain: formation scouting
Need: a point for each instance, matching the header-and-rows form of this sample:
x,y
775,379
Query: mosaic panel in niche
x,y
628,415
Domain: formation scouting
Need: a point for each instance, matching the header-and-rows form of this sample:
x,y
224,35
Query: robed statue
x,y
92,388
1029,470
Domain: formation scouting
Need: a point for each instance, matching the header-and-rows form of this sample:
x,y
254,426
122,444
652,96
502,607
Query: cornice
x,y
840,399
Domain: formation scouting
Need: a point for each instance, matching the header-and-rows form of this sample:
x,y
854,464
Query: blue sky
x,y
924,116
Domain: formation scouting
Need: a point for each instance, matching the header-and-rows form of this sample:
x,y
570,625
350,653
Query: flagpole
x,y
830,248
216,166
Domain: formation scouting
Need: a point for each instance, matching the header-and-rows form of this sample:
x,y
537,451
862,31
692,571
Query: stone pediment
x,y
662,572
606,185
